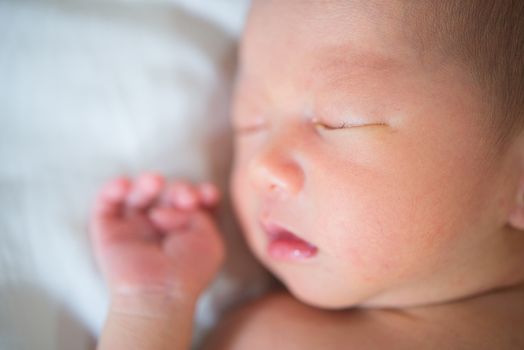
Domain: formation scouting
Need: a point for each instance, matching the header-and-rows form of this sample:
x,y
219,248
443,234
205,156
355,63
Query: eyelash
x,y
344,125
316,123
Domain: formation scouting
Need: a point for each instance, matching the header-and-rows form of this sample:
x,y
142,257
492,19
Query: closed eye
x,y
345,125
249,129
246,129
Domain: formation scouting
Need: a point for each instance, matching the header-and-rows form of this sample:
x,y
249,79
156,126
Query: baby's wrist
x,y
151,303
148,321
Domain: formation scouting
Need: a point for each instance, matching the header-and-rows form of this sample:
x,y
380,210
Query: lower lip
x,y
290,248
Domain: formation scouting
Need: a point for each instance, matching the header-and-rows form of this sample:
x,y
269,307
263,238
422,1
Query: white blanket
x,y
89,90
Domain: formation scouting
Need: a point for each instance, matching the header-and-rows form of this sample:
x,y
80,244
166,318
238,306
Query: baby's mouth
x,y
284,245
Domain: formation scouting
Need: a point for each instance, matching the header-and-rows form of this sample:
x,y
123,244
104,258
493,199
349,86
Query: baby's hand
x,y
153,238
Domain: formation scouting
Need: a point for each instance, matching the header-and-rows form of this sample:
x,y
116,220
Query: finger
x,y
146,190
111,198
168,219
183,195
199,236
209,194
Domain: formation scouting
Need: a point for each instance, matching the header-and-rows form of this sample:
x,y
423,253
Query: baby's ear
x,y
516,218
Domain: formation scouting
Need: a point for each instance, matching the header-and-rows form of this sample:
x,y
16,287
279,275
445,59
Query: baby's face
x,y
350,139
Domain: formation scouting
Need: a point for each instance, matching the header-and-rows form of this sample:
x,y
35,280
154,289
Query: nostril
x,y
276,174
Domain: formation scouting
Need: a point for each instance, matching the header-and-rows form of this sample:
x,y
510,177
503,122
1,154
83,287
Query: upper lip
x,y
275,230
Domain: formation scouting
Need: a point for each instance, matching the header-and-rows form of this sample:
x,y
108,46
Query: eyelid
x,y
344,125
247,129
326,126
251,128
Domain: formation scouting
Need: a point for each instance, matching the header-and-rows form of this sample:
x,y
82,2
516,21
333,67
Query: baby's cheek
x,y
383,246
369,255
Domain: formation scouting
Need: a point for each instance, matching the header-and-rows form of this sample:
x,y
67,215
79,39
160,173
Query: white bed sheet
x,y
89,90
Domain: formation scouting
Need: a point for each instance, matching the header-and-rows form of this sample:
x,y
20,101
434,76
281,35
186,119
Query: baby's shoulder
x,y
279,321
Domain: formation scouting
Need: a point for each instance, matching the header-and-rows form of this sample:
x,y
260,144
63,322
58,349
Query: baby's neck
x,y
502,308
512,295
489,321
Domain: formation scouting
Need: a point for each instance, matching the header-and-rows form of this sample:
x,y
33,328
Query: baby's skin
x,y
365,178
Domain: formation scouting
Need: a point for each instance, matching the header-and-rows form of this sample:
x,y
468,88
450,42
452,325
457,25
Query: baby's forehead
x,y
366,35
329,75
360,53
315,67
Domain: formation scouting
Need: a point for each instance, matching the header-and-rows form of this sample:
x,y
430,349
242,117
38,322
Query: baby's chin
x,y
323,300
321,295
329,298
314,290
332,296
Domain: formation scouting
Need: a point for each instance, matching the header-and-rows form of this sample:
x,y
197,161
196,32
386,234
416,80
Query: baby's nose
x,y
274,170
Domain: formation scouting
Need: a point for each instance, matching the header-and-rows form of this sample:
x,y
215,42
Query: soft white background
x,y
89,90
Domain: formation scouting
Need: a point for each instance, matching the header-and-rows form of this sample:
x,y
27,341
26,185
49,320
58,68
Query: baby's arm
x,y
158,248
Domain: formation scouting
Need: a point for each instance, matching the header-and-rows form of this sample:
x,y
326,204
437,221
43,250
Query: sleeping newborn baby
x,y
379,175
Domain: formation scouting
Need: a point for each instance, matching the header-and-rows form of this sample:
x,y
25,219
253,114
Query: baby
x,y
379,174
